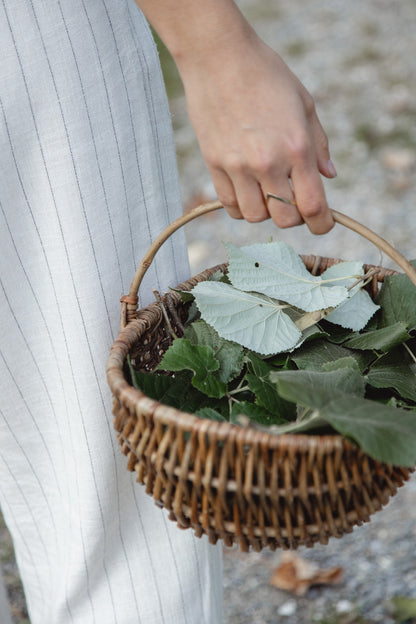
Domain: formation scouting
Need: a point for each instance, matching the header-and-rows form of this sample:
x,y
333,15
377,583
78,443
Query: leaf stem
x,y
410,352
164,312
237,390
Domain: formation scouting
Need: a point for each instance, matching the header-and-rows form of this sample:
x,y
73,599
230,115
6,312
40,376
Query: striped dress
x,y
87,179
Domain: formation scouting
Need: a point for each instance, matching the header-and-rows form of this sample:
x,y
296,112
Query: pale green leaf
x,y
275,269
183,355
355,312
386,433
343,273
254,321
380,339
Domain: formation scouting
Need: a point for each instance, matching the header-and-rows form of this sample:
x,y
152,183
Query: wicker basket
x,y
233,483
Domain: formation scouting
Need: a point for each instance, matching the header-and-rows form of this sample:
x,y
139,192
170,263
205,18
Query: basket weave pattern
x,y
234,483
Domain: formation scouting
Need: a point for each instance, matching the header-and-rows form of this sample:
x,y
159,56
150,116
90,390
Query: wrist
x,y
193,29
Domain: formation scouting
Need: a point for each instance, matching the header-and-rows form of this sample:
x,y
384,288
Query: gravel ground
x,y
358,61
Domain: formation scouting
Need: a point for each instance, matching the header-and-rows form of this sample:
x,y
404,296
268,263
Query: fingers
x,y
226,193
320,141
281,201
304,154
246,197
293,174
310,199
240,195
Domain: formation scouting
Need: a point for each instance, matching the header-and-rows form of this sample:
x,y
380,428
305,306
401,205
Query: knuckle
x,y
229,202
299,147
313,208
284,221
262,161
233,163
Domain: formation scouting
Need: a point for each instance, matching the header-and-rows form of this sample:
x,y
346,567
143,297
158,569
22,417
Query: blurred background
x,y
358,61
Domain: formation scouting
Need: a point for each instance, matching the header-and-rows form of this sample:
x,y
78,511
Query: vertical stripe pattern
x,y
87,180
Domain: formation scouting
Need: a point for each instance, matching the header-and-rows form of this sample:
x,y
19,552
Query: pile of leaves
x,y
270,345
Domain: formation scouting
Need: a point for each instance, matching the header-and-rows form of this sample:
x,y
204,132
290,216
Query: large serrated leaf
x,y
355,312
275,269
386,433
183,355
315,389
256,413
175,391
314,355
254,321
210,414
397,299
344,362
229,354
380,339
392,371
343,273
258,380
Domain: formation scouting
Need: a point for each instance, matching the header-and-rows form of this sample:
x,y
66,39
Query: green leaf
x,y
258,379
275,269
344,362
210,414
256,413
314,355
404,609
316,389
254,321
355,312
397,299
229,354
386,433
380,339
312,423
392,371
335,333
175,391
183,355
186,295
219,276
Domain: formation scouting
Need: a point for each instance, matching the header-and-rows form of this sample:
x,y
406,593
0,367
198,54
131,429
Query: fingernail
x,y
330,167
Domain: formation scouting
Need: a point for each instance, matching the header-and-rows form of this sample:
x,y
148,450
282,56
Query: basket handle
x,y
129,302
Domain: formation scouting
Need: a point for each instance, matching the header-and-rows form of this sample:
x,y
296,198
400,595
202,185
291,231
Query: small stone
x,y
287,609
344,606
399,160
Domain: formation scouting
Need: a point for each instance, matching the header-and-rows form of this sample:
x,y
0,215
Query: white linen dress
x,y
88,178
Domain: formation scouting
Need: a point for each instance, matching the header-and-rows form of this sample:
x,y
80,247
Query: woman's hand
x,y
255,122
259,133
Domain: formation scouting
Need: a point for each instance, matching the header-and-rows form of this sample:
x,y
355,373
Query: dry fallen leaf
x,y
296,575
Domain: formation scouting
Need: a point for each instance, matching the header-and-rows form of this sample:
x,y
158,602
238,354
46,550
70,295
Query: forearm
x,y
255,122
191,29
